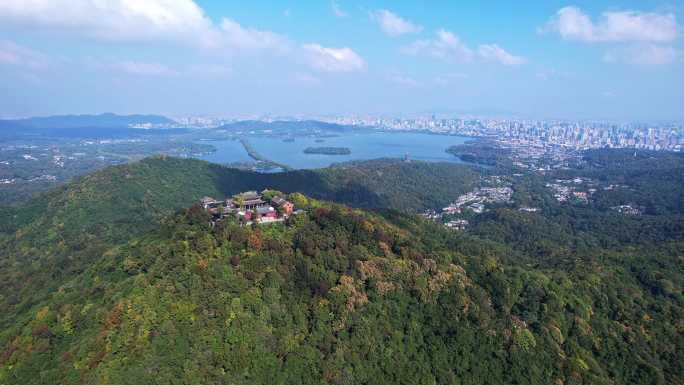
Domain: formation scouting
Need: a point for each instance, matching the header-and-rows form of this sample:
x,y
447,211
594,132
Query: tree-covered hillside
x,y
60,233
117,278
155,187
344,296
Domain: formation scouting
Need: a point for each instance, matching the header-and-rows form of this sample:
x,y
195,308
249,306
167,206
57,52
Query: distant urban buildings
x,y
573,135
540,133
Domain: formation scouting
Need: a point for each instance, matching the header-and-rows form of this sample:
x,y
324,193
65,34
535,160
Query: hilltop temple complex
x,y
250,207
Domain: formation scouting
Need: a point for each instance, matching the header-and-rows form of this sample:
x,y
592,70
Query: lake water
x,y
363,146
227,151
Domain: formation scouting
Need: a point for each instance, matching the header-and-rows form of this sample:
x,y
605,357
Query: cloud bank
x,y
626,26
333,59
173,21
639,37
447,46
393,25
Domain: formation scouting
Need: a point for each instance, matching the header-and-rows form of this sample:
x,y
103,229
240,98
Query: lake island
x,y
328,150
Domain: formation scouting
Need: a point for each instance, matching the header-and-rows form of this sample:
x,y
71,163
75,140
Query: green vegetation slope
x,y
60,233
343,296
105,281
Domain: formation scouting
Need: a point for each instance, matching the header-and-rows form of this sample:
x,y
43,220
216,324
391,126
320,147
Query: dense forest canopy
x,y
119,278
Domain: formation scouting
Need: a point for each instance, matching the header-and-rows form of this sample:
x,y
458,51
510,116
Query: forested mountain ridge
x,y
59,233
157,186
341,296
104,280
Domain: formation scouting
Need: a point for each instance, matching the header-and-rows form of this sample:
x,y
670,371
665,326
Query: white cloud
x,y
571,23
648,54
22,57
337,10
494,53
114,19
333,59
135,20
447,46
237,36
637,37
393,25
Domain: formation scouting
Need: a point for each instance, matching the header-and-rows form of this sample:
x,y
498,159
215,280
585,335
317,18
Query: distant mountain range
x,y
107,120
78,125
112,125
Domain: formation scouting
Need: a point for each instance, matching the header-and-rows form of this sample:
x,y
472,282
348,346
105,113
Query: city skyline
x,y
581,60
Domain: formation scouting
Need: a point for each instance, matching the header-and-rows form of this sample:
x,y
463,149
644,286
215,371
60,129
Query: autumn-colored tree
x,y
255,241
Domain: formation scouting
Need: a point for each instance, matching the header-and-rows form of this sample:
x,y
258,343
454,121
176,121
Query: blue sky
x,y
617,60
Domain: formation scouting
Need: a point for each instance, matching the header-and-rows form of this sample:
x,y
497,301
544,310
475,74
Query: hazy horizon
x,y
456,115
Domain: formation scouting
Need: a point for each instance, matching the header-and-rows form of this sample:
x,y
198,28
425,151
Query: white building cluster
x,y
573,135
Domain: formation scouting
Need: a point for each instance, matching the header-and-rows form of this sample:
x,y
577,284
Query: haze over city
x,y
567,60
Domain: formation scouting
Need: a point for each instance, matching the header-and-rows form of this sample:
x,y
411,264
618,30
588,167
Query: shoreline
x,y
260,158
